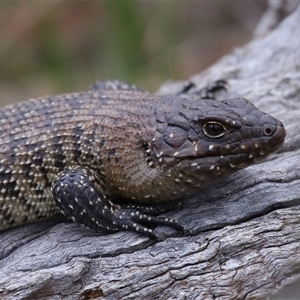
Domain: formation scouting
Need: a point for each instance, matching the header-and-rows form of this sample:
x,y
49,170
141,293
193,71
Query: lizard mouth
x,y
257,149
268,144
273,144
241,154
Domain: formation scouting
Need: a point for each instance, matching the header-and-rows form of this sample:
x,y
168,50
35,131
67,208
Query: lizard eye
x,y
213,129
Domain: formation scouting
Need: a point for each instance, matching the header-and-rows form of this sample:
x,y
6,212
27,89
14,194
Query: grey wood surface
x,y
242,238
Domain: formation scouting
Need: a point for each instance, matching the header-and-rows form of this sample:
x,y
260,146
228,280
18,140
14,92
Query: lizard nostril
x,y
268,130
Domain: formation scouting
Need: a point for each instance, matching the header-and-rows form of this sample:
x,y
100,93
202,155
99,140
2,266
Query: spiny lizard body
x,y
114,157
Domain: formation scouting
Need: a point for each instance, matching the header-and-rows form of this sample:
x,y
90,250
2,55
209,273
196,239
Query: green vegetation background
x,y
58,47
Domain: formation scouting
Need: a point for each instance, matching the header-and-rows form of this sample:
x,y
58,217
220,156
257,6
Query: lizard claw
x,y
131,219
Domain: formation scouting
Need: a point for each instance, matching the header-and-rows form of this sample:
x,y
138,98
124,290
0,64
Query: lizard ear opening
x,y
213,129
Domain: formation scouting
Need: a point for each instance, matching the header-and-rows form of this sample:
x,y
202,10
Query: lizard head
x,y
214,139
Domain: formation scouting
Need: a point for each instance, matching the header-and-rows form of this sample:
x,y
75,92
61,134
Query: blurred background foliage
x,y
58,47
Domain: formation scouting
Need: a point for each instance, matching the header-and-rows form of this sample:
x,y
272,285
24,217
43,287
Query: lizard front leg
x,y
77,194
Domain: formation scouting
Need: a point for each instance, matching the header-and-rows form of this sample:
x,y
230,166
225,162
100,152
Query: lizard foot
x,y
77,193
207,92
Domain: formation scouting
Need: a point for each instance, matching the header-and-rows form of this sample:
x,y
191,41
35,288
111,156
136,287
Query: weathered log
x,y
242,238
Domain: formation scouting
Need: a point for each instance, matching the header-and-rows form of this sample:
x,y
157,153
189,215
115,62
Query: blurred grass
x,y
56,47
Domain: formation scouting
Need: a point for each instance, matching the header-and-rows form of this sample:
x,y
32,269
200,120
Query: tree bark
x,y
242,235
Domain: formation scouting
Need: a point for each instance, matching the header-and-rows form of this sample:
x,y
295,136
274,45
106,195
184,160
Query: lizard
x,y
113,158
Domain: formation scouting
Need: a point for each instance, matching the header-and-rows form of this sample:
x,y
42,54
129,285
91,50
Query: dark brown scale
x,y
116,144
